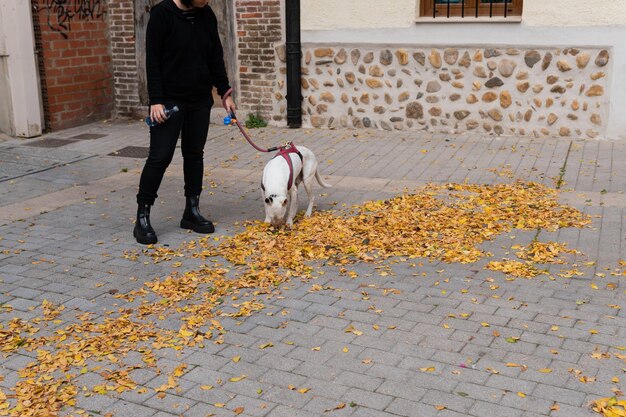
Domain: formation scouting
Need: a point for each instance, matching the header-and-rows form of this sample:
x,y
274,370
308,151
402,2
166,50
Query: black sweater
x,y
183,60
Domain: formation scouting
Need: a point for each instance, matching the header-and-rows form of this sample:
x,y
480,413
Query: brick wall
x,y
77,66
259,27
124,62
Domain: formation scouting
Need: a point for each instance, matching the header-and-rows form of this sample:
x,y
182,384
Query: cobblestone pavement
x,y
66,218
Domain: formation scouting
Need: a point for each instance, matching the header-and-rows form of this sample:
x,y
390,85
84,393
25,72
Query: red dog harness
x,y
284,152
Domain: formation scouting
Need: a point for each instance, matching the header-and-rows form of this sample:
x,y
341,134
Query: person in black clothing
x,y
184,60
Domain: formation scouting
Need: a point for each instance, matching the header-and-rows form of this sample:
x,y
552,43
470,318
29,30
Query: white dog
x,y
280,184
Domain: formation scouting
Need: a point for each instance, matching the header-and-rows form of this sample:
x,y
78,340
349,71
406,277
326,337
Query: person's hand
x,y
157,113
229,105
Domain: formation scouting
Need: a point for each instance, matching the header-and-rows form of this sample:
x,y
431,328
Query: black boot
x,y
192,219
143,231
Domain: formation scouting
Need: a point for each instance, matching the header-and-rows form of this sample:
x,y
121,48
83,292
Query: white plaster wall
x,y
545,23
346,14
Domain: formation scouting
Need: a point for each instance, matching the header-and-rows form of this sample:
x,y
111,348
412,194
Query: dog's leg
x,y
308,187
267,214
293,205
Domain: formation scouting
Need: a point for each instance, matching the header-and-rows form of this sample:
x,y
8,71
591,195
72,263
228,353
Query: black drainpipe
x,y
294,63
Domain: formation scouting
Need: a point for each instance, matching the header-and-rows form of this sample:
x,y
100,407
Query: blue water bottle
x,y
168,113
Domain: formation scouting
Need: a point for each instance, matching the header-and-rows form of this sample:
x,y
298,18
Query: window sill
x,y
469,19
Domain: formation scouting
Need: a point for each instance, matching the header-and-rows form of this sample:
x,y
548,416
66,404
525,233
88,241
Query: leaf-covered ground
x,y
441,222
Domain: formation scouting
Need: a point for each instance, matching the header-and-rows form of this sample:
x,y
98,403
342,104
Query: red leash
x,y
233,118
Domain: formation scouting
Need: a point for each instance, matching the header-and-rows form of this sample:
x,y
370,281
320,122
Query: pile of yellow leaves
x,y
610,407
544,252
441,222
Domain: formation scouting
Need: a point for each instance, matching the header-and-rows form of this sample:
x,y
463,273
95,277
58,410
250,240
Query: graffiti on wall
x,y
61,13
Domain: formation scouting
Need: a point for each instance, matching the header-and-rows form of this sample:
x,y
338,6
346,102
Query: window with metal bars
x,y
442,9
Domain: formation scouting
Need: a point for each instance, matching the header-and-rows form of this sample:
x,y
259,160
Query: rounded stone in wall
x,y
522,75
368,58
312,100
373,83
547,59
512,51
471,99
455,97
357,122
457,84
575,105
595,90
551,79
479,71
549,102
492,65
506,67
433,86
399,83
461,114
327,96
564,131
367,122
597,75
572,116
388,98
386,57
563,65
432,99
552,118
505,99
304,83
498,130
340,82
523,87
478,56
281,52
362,69
465,61
435,111
592,133
341,57
385,125
391,72
379,109
582,60
355,54
558,89
495,114
537,88
314,83
414,110
489,96
492,52
324,52
494,82
476,85
528,115
321,108
344,97
365,98
444,76
376,71
537,101
450,55
317,121
487,126
471,124
603,58
419,57
434,58
403,56
531,58
404,96
350,77
307,57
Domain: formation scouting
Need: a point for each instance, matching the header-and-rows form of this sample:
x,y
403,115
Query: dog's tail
x,y
321,182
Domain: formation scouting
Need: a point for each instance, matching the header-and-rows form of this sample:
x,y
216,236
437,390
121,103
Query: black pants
x,y
192,124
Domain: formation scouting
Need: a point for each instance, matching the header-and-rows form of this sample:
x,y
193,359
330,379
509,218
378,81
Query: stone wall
x,y
503,91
